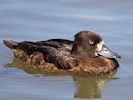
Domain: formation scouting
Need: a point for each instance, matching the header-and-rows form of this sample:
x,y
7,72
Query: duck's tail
x,y
10,43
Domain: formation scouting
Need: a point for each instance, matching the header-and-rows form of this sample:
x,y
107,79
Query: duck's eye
x,y
91,42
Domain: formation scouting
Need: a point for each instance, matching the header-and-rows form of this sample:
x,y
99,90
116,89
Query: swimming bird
x,y
86,54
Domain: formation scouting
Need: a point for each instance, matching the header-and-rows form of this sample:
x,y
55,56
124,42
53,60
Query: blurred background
x,y
36,20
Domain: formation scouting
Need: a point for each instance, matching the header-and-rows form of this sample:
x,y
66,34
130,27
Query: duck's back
x,y
55,51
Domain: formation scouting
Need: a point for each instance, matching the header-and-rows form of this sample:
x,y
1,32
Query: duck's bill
x,y
108,53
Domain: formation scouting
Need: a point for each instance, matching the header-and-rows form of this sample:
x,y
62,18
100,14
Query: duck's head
x,y
89,44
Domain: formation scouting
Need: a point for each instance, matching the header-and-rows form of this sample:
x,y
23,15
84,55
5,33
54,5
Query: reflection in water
x,y
90,87
86,86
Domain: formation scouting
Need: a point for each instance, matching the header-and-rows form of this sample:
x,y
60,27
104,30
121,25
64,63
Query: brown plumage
x,y
83,55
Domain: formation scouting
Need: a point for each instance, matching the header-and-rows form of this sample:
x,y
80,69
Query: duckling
x,y
86,54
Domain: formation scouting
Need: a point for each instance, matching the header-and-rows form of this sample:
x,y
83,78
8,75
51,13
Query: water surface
x,y
44,19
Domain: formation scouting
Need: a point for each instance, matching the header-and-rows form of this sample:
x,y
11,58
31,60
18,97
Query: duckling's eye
x,y
91,42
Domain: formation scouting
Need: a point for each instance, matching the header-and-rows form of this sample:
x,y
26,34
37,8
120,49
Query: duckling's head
x,y
89,44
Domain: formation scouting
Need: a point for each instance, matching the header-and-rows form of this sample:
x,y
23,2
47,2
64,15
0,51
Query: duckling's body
x,y
78,56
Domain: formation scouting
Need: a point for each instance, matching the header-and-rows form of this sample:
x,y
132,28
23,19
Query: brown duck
x,y
86,54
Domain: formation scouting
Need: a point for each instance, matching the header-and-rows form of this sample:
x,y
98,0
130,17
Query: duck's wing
x,y
65,41
55,43
25,46
62,44
55,51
